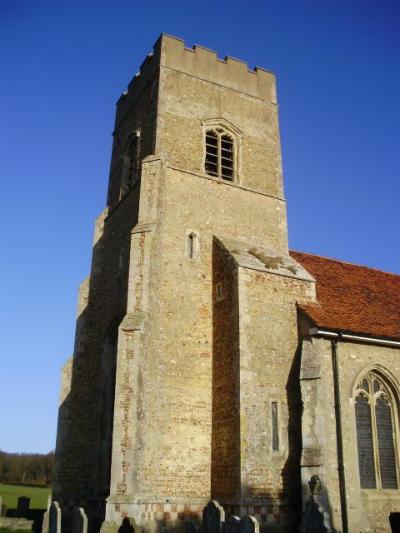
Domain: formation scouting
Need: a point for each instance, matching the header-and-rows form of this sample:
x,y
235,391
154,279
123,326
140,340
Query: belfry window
x,y
130,173
220,154
376,421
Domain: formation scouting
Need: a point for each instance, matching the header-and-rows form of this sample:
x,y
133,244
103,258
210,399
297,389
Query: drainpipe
x,y
339,437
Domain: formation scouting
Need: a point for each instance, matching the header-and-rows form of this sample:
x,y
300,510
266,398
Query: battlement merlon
x,y
171,53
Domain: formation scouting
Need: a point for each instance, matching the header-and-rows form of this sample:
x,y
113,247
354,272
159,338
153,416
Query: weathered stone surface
x,y
45,521
13,524
109,527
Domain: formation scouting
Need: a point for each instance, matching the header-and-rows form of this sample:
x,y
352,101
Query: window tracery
x,y
376,421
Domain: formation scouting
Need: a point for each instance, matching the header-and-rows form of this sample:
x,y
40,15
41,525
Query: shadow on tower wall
x,y
85,419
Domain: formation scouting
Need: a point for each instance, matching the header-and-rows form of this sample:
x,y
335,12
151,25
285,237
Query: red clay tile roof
x,y
352,298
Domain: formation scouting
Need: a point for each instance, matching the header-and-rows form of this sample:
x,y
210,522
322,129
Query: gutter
x,y
315,332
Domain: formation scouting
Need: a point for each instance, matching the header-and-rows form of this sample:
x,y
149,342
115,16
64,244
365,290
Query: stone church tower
x,y
184,385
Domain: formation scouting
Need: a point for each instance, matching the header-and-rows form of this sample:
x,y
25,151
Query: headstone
x,y
109,527
249,524
126,526
55,518
22,507
315,517
45,522
213,517
12,523
232,524
79,521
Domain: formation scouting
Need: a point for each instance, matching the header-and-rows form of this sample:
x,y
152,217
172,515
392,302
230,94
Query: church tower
x,y
180,387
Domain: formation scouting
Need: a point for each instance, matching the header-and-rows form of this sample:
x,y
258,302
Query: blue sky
x,y
65,63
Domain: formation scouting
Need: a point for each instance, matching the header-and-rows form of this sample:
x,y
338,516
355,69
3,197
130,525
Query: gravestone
x,y
55,518
315,517
22,507
45,522
213,517
79,521
126,526
232,525
249,524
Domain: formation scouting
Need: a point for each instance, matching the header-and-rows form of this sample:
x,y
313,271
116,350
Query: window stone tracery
x,y
376,417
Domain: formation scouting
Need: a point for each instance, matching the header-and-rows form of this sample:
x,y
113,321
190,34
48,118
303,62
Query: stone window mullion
x,y
375,443
219,155
394,437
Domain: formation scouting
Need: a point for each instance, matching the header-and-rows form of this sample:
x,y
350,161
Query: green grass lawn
x,y
11,493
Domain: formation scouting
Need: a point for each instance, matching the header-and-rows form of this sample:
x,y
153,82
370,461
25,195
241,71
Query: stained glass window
x,y
365,443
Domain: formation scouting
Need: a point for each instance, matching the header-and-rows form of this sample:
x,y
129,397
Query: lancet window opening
x,y
133,159
376,427
191,238
220,154
131,168
192,246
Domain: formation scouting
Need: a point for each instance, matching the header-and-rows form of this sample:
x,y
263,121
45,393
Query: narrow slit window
x,y
133,160
220,154
192,246
130,173
275,432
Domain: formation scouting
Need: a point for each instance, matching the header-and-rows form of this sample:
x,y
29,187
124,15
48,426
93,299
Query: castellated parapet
x,y
171,52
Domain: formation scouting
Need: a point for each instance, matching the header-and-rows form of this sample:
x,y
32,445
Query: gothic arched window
x,y
376,421
220,154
